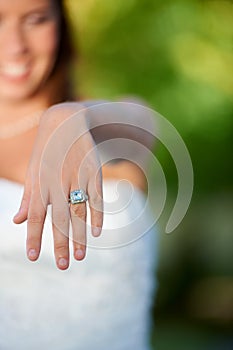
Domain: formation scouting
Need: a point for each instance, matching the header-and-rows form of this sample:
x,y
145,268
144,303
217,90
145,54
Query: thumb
x,y
22,213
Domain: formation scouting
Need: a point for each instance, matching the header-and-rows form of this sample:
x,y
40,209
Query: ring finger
x,y
78,215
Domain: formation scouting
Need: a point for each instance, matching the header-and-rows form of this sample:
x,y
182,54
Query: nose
x,y
14,44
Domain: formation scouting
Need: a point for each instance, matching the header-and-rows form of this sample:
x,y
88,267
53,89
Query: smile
x,y
14,70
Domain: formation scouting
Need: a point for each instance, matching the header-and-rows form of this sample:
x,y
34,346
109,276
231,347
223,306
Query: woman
x,y
103,301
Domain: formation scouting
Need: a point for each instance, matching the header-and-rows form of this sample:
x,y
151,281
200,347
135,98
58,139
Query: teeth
x,y
14,70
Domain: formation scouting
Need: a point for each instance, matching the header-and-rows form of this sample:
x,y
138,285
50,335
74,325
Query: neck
x,y
18,118
12,111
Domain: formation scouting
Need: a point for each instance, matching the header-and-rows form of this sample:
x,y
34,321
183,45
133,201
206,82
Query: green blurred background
x,y
176,55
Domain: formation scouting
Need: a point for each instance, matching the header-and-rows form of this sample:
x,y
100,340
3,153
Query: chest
x,y
15,154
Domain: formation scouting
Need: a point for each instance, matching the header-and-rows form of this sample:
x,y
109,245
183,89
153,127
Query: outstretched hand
x,y
64,159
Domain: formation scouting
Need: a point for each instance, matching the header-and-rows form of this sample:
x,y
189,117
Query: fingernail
x,y
96,231
79,254
32,253
62,262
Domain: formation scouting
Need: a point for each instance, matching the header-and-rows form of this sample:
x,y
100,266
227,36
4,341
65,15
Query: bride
x,y
50,156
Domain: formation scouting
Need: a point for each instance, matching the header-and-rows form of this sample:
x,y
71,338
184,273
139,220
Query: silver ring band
x,y
78,196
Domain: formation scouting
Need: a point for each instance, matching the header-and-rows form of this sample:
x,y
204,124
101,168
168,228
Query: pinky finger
x,y
96,208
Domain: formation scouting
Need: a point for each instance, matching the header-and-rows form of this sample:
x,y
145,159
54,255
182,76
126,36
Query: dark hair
x,y
60,76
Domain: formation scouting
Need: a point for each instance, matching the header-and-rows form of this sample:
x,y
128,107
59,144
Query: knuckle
x,y
24,200
95,199
96,202
60,247
60,218
78,210
33,241
35,218
26,196
79,241
36,193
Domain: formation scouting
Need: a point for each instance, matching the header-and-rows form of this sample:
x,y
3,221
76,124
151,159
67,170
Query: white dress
x,y
101,303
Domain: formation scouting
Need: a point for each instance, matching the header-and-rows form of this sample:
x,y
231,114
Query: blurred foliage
x,y
177,55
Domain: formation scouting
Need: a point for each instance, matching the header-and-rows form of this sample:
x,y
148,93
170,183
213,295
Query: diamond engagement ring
x,y
78,196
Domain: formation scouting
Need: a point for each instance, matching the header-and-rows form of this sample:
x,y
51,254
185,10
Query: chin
x,y
21,91
14,97
19,94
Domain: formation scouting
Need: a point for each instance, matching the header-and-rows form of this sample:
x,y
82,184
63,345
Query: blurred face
x,y
28,46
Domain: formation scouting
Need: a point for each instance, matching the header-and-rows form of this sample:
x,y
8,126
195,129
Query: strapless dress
x,y
101,303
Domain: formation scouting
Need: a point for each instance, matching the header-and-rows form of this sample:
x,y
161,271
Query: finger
x,y
60,219
22,213
35,224
95,192
78,214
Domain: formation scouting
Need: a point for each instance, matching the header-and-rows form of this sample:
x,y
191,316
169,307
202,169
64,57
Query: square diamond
x,y
78,196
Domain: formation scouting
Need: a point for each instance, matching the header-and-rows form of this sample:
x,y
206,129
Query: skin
x,y
28,41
